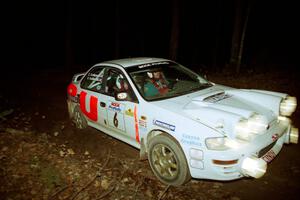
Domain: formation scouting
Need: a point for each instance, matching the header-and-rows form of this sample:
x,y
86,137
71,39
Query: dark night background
x,y
60,34
44,43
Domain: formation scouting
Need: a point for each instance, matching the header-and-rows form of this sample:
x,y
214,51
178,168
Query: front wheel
x,y
168,161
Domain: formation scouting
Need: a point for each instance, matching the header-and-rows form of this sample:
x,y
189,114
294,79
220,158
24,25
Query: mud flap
x,y
70,108
143,152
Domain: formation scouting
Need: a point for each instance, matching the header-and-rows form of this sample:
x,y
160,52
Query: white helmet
x,y
120,82
150,74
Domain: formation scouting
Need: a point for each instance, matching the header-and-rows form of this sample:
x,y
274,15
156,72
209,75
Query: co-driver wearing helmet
x,y
156,84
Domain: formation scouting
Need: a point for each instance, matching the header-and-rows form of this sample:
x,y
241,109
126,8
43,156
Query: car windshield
x,y
162,80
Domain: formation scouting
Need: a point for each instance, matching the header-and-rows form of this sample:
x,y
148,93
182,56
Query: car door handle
x,y
102,104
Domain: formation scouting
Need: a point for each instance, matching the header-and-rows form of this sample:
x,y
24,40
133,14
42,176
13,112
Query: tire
x,y
168,161
78,119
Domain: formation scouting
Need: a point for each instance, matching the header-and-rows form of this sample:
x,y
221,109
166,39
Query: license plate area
x,y
269,156
265,150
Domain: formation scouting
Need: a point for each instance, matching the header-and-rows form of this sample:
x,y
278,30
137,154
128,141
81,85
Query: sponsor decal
x,y
164,125
191,137
92,113
142,123
115,107
190,140
95,77
129,112
115,104
152,64
268,157
275,137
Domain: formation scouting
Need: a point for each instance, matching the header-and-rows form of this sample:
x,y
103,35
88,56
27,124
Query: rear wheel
x,y
168,161
78,118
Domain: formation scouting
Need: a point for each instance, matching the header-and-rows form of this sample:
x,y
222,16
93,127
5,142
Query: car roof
x,y
128,62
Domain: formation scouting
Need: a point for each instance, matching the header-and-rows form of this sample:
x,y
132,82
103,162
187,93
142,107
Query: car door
x,y
92,98
122,116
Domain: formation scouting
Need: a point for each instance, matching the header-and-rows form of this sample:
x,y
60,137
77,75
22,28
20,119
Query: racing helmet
x,y
151,74
120,82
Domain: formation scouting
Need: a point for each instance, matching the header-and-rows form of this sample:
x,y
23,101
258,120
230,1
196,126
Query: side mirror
x,y
121,96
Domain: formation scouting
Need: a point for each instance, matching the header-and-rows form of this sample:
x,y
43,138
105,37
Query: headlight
x,y
247,129
242,130
288,106
257,123
255,167
217,143
220,143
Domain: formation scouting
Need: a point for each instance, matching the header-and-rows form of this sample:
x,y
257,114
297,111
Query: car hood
x,y
221,107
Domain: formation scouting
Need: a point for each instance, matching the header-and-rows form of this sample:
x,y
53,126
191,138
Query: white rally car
x,y
186,126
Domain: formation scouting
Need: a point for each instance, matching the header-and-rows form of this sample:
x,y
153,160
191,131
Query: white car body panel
x,y
190,119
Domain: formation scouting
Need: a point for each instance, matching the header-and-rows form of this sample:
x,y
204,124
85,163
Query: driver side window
x,y
116,82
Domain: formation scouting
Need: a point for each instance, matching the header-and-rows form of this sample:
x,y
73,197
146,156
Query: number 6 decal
x,y
116,123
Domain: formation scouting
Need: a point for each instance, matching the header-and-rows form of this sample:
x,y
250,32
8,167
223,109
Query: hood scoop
x,y
212,97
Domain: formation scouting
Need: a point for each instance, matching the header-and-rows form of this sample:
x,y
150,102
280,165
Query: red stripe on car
x,y
92,114
137,135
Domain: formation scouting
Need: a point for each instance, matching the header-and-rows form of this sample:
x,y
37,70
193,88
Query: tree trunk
x,y
174,37
218,14
68,38
117,30
238,66
236,36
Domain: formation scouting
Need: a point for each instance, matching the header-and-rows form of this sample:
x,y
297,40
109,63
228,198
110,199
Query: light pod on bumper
x,y
294,135
247,129
288,106
254,167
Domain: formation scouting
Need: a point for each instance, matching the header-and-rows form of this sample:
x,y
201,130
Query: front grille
x,y
266,149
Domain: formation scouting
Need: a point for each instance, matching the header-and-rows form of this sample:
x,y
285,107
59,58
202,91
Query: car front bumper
x,y
249,160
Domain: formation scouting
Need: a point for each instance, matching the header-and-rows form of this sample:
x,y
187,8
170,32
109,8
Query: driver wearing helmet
x,y
156,84
123,86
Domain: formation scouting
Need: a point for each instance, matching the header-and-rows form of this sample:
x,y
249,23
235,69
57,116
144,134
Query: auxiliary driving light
x,y
294,135
248,129
288,106
254,167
